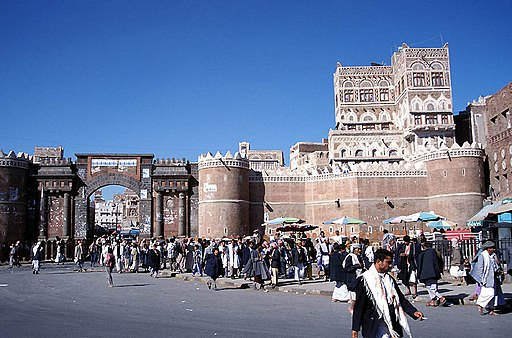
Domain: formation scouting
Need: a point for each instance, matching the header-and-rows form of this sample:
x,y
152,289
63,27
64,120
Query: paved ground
x,y
61,302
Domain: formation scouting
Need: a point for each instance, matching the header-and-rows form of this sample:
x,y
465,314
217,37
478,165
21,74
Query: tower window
x,y
437,79
366,95
418,79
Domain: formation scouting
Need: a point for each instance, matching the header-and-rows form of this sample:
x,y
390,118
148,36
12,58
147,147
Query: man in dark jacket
x,y
154,260
213,268
337,273
430,268
406,255
275,264
380,306
298,258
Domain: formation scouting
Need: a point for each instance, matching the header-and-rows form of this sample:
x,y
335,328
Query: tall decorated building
x,y
392,152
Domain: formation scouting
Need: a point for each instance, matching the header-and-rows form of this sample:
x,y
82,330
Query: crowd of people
x,y
352,263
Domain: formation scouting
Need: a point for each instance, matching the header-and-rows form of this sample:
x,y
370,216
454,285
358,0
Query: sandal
x,y
432,303
493,313
481,310
442,301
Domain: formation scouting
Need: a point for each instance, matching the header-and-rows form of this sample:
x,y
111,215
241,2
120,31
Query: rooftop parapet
x,y
171,161
218,160
19,160
431,153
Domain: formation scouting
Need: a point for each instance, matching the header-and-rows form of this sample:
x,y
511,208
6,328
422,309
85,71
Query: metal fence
x,y
470,248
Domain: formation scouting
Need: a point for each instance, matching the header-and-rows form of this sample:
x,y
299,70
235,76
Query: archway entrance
x,y
100,170
114,209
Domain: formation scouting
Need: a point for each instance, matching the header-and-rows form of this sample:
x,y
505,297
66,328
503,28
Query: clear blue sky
x,y
181,78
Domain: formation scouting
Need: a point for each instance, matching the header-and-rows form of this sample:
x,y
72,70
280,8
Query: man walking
x,y
36,254
80,256
380,306
430,267
485,273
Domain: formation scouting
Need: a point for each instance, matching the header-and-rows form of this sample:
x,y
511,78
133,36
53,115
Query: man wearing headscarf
x,y
485,273
380,306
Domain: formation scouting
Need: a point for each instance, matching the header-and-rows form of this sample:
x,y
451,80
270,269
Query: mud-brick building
x,y
392,152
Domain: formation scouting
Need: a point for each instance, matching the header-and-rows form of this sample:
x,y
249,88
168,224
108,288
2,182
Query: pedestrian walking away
x,y
110,263
430,267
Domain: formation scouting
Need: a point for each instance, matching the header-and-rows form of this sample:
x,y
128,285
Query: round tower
x,y
455,181
223,195
14,181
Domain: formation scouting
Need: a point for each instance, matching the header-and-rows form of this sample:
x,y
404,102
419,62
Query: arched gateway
x,y
167,191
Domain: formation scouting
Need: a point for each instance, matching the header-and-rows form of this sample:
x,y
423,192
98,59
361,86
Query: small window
x,y
366,95
445,173
384,94
418,79
463,171
208,230
348,96
359,153
370,229
225,230
331,230
437,79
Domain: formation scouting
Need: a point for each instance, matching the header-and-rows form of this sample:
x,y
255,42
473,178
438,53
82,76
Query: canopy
x,y
422,216
345,220
283,220
418,216
296,227
395,220
442,223
505,207
479,217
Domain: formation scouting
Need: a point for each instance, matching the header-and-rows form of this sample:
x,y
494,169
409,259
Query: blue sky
x,y
181,78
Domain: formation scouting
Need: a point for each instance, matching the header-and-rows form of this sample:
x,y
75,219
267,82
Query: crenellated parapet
x,y
13,160
448,153
210,161
54,161
349,170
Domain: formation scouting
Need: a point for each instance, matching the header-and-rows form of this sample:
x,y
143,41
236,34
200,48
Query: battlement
x,y
172,161
19,160
54,161
210,161
433,153
363,169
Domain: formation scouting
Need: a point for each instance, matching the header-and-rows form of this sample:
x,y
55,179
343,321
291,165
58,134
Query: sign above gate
x,y
114,165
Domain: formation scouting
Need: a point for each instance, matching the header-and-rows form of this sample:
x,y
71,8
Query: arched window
x,y
393,153
418,66
430,106
365,84
343,152
384,116
348,84
374,152
359,153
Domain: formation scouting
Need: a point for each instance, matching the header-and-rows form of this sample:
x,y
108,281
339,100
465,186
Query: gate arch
x,y
111,179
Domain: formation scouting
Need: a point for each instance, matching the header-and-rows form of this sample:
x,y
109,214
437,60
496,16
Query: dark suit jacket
x,y
430,265
366,316
336,271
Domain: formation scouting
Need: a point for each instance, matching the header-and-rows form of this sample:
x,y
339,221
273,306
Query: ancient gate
x,y
95,171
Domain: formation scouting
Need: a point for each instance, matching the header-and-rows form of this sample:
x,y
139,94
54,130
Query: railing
x,y
470,248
